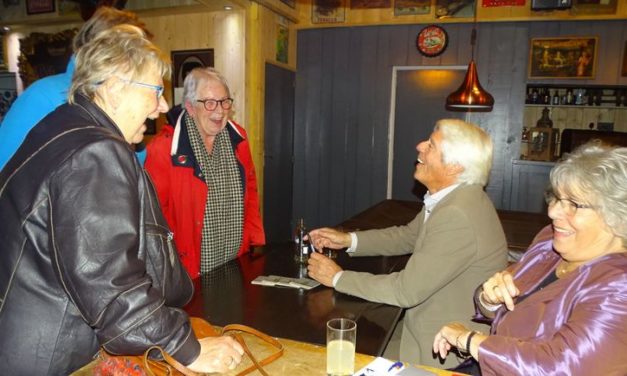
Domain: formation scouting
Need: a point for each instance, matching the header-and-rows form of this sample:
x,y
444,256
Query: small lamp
x,y
470,97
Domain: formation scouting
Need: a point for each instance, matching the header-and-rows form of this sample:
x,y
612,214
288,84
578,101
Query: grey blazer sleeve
x,y
441,252
391,241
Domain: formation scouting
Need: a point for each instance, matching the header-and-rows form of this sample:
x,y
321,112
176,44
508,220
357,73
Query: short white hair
x,y
468,146
198,75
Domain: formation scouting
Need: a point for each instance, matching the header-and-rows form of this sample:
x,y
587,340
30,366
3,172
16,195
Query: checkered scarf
x,y
224,212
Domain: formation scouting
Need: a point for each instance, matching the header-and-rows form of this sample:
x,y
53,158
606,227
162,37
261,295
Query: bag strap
x,y
236,328
257,365
148,363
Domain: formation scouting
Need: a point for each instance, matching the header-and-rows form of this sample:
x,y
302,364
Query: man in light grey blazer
x,y
456,242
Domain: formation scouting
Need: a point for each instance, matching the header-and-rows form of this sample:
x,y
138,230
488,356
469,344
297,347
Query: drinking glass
x,y
341,338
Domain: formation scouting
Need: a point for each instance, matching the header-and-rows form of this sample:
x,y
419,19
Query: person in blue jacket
x,y
46,94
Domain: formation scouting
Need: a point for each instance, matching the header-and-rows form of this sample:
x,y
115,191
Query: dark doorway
x,y
420,98
278,153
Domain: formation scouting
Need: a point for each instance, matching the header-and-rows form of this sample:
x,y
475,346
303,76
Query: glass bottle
x,y
546,96
301,246
545,121
569,97
524,143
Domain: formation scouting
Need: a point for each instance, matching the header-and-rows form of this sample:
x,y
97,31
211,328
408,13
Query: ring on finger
x,y
229,361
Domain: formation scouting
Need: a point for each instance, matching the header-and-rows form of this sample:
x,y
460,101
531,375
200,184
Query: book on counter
x,y
275,280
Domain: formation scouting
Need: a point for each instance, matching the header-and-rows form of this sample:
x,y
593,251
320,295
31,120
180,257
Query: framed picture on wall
x,y
182,63
39,6
593,7
624,70
328,11
408,7
563,57
370,4
454,8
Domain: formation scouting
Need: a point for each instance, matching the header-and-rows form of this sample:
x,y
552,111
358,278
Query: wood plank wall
x,y
343,87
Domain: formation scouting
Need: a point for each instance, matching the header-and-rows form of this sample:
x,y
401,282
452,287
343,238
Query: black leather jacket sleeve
x,y
105,256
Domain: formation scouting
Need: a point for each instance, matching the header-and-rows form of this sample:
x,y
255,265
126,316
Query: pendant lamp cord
x,y
473,35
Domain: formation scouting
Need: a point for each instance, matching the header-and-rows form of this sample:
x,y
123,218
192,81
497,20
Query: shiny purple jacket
x,y
576,325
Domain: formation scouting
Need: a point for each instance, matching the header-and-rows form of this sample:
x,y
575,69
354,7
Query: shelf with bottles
x,y
554,95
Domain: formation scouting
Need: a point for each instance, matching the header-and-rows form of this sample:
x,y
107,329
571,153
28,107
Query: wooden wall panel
x,y
356,119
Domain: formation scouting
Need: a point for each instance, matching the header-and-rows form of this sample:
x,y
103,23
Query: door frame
x,y
392,117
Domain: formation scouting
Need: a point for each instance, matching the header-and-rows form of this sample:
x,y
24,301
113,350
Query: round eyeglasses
x,y
212,104
568,206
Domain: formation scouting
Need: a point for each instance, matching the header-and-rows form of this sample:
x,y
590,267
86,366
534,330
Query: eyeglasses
x,y
212,104
158,89
567,205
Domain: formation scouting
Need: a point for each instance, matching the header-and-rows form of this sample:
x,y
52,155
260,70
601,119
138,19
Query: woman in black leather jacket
x,y
86,258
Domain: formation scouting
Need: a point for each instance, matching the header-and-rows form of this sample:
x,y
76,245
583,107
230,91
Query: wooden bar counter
x,y
305,359
299,359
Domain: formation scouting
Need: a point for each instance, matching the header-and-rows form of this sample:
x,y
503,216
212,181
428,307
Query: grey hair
x,y
102,20
596,174
123,50
198,75
468,146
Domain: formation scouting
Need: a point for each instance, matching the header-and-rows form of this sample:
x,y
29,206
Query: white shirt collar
x,y
431,200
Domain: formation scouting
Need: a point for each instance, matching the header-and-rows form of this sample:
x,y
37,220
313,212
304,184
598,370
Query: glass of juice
x,y
341,339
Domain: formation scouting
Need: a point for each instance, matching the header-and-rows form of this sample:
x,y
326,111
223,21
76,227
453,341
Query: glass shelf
x,y
582,106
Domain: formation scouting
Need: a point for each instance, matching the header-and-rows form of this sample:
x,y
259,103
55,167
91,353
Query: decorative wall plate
x,y
431,40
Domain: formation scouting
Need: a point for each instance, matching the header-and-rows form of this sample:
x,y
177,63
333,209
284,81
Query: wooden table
x,y
226,296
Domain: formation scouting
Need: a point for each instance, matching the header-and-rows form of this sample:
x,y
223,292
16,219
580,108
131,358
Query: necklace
x,y
564,268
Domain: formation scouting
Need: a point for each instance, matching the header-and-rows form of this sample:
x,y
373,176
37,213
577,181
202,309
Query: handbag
x,y
142,364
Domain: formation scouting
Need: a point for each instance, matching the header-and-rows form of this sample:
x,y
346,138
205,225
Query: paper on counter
x,y
385,367
275,280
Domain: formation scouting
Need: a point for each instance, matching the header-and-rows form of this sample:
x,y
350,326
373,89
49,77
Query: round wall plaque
x,y
431,40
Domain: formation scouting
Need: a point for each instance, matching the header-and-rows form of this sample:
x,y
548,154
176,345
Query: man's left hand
x,y
322,269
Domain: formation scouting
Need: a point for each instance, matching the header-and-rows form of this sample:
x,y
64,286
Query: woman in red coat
x,y
205,177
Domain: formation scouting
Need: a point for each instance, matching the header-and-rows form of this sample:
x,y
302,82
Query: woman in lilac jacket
x,y
562,310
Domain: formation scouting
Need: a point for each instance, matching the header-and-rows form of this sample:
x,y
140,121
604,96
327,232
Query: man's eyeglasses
x,y
567,205
212,104
158,89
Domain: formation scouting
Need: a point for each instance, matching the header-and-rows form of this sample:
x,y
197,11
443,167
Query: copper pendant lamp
x,y
470,97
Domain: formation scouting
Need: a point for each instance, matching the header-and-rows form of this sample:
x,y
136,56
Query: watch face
x,y
431,40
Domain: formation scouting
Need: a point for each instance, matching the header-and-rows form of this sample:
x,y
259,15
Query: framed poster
x,y
593,7
454,8
370,4
282,44
408,7
39,6
328,11
502,3
183,62
563,57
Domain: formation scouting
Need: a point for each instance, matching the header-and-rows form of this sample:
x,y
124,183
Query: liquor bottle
x,y
545,121
546,96
524,143
301,246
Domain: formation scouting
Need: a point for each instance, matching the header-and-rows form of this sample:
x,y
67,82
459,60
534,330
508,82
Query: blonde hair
x,y
469,146
104,19
123,50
